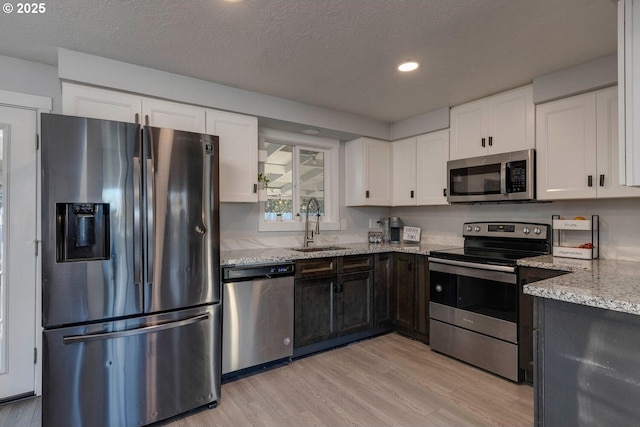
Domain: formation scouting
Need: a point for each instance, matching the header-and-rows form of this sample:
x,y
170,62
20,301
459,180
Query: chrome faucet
x,y
308,239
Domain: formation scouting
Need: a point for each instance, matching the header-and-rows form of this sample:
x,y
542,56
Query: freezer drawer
x,y
131,372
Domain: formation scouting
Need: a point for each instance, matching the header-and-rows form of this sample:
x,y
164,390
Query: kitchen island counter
x,y
275,255
585,341
604,283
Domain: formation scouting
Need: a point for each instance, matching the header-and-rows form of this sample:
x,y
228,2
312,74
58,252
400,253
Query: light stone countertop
x,y
605,283
608,284
277,255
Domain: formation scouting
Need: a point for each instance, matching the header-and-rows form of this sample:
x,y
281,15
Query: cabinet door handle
x,y
490,141
444,192
602,180
255,188
412,194
483,142
590,181
366,194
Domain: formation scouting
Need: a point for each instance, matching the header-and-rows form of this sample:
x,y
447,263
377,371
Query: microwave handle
x,y
503,181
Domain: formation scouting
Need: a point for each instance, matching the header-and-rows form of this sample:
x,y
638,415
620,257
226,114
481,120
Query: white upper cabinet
x,y
238,154
84,101
497,124
173,115
629,91
105,104
238,133
577,147
368,173
404,172
432,154
420,169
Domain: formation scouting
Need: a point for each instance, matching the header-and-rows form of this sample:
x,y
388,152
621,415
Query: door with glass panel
x,y
18,195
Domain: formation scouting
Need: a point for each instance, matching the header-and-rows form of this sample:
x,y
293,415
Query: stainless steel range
x,y
474,294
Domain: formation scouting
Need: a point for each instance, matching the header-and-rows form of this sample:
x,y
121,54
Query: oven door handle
x,y
498,273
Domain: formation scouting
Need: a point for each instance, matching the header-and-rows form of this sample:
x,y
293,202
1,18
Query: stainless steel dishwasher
x,y
257,315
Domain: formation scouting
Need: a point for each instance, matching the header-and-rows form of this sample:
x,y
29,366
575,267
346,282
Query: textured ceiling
x,y
339,54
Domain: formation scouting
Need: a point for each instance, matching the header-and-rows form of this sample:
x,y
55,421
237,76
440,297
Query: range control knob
x,y
537,230
526,230
476,229
468,228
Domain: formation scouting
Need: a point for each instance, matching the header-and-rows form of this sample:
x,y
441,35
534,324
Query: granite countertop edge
x,y
607,284
239,257
604,283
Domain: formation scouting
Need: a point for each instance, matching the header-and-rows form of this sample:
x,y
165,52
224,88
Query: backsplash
x,y
619,223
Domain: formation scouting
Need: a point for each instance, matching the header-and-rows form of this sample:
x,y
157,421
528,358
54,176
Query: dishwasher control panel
x,y
257,271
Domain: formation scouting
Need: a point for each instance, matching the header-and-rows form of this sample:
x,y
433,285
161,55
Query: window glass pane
x,y
279,172
311,180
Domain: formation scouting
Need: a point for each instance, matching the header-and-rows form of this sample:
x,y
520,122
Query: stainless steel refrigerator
x,y
130,272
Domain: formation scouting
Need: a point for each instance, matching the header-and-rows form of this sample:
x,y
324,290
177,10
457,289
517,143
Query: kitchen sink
x,y
318,249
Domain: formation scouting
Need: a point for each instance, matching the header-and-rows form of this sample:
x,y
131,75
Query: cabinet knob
x,y
412,194
444,192
366,194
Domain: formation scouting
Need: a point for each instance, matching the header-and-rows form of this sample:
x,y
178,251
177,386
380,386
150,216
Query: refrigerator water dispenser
x,y
83,231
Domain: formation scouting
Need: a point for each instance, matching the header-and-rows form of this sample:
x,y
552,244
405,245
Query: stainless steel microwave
x,y
492,178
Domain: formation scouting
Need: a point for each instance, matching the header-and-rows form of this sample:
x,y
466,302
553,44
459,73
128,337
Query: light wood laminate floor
x,y
385,381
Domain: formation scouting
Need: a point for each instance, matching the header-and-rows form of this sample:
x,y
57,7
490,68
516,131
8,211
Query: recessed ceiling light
x,y
408,66
311,131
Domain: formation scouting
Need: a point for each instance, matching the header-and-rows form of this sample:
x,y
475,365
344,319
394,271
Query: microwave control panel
x,y
517,177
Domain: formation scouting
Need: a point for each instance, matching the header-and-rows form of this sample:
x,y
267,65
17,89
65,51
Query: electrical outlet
x,y
373,223
343,224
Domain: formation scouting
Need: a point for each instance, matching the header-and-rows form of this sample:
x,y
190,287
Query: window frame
x,y
331,149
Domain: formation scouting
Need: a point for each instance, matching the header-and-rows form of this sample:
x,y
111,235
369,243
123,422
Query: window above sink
x,y
298,167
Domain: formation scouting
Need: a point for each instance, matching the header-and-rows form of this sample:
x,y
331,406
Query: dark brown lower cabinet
x,y
410,295
354,301
315,315
336,304
383,276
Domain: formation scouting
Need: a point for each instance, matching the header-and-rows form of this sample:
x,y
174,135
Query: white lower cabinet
x,y
420,169
577,148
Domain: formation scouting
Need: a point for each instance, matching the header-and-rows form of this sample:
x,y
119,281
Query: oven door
x,y
473,314
479,297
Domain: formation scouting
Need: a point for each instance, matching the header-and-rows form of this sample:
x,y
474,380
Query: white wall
x,y
32,78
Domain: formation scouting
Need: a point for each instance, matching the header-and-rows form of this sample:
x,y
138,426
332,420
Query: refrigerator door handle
x,y
75,339
149,249
137,233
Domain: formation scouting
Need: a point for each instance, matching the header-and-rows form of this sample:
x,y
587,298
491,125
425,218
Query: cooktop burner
x,y
502,243
485,255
